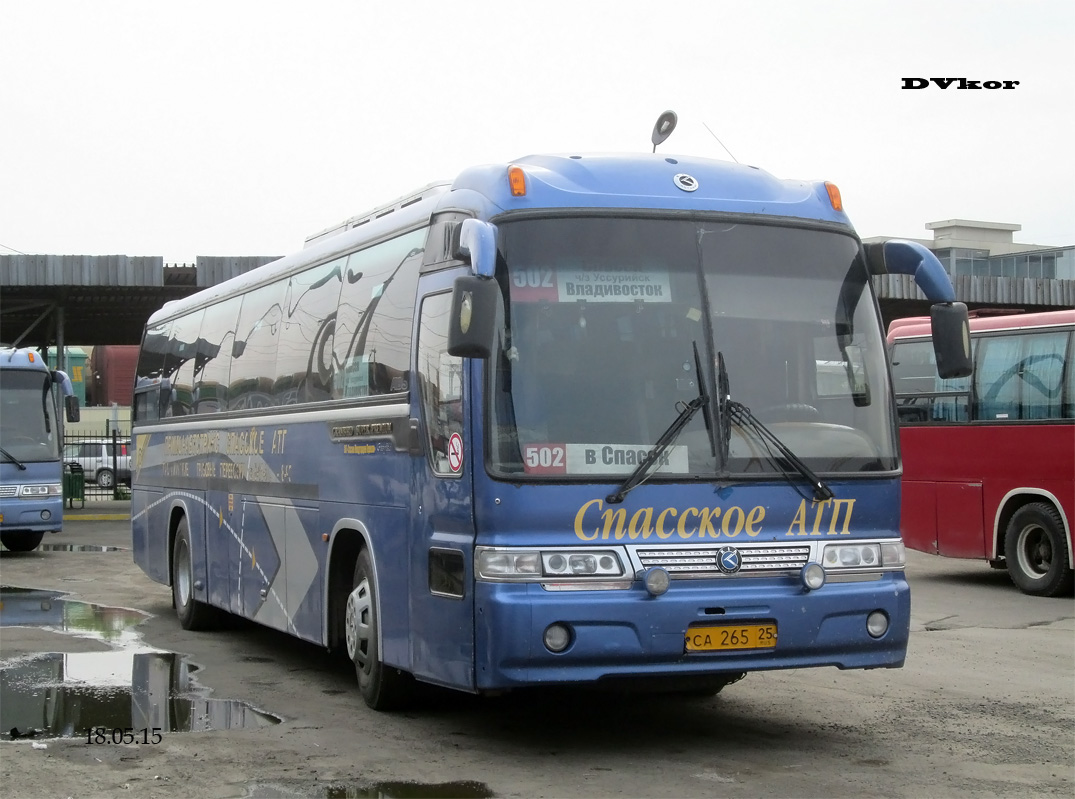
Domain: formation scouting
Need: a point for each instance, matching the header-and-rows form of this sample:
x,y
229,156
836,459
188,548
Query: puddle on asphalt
x,y
79,548
68,695
465,789
31,607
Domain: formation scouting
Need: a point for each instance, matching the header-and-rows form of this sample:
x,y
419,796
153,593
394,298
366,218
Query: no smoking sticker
x,y
455,452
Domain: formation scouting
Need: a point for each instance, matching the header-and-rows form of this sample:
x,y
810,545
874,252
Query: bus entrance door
x,y
442,607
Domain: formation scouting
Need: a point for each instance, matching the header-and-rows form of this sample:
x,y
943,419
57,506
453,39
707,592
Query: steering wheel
x,y
21,439
791,412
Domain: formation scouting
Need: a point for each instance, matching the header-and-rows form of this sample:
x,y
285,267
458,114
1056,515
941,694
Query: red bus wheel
x,y
1035,547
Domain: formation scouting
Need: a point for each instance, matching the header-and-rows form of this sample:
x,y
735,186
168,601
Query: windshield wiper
x,y
731,411
13,459
740,414
635,478
707,413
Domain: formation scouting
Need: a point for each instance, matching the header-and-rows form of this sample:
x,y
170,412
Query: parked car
x,y
95,457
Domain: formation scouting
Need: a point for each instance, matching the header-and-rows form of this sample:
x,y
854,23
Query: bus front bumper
x,y
627,633
31,516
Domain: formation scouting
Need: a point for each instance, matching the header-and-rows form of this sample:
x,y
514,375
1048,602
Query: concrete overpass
x,y
90,300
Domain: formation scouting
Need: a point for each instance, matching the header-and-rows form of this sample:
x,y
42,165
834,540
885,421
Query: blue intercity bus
x,y
608,420
33,403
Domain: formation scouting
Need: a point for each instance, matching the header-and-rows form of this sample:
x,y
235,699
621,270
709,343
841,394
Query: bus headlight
x,y
42,490
883,555
583,564
893,554
506,565
851,556
534,565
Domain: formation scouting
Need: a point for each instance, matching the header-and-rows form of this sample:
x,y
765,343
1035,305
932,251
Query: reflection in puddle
x,y
68,694
465,789
79,548
30,607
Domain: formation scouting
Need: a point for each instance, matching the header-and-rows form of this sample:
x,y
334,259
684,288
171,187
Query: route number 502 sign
x,y
545,458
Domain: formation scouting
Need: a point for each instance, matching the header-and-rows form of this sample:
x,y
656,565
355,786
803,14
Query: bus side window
x,y
257,334
371,340
1020,376
184,347
922,396
440,377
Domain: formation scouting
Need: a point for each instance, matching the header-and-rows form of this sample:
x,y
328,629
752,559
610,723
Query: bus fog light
x,y
813,576
656,580
557,637
877,623
46,515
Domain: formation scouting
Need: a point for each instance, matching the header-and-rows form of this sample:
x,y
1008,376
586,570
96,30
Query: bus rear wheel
x,y
1036,550
382,687
21,542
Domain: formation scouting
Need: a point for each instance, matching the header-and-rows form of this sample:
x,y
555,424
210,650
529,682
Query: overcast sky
x,y
228,127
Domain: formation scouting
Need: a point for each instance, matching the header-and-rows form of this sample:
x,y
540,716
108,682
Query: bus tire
x,y
1036,550
21,542
193,615
382,687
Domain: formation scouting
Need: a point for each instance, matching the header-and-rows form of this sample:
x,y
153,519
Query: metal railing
x,y
105,459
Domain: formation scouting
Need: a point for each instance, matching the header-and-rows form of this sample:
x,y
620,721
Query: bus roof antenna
x,y
666,123
714,135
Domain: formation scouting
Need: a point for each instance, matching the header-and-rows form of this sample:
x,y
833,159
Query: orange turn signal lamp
x,y
517,181
834,196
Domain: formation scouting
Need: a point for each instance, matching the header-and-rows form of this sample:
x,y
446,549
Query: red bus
x,y
989,460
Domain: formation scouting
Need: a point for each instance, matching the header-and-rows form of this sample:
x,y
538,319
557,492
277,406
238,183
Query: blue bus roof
x,y
647,181
22,358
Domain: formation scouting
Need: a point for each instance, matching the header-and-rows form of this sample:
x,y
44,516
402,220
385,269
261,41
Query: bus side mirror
x,y
473,317
70,406
477,244
951,339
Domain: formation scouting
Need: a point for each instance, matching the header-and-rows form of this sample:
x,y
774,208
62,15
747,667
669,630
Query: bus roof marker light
x,y
517,181
834,196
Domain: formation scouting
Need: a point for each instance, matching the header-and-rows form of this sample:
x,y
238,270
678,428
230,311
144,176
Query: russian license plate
x,y
739,636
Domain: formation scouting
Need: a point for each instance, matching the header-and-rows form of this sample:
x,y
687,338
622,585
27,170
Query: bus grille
x,y
9,491
758,561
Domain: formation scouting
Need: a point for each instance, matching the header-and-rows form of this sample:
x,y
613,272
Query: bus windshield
x,y
29,432
604,314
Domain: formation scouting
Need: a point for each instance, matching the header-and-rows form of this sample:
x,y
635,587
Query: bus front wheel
x,y
21,542
1036,550
382,687
193,615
